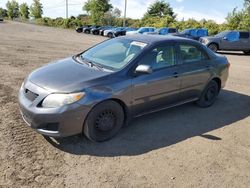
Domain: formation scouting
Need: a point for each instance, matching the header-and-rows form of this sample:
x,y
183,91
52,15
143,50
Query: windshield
x,y
222,34
113,54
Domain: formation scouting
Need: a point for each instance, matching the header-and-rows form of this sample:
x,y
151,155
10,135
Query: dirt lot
x,y
182,147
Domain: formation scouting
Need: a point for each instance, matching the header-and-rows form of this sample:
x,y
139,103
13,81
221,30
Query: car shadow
x,y
235,53
164,128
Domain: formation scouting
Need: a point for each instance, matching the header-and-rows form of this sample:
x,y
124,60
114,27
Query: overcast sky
x,y
209,9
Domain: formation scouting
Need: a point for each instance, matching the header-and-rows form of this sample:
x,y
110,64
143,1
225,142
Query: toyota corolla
x,y
101,89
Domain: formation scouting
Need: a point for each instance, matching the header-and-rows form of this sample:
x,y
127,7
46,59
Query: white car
x,y
110,33
141,30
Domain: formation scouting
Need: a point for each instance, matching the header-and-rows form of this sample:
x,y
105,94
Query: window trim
x,y
159,46
180,60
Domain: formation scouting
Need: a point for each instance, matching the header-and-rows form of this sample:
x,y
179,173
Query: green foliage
x,y
3,13
24,11
240,20
160,9
97,9
157,21
36,9
12,9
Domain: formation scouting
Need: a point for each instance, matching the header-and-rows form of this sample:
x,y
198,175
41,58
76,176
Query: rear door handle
x,y
209,67
176,75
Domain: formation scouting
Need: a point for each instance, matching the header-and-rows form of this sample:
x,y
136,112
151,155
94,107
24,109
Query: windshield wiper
x,y
92,64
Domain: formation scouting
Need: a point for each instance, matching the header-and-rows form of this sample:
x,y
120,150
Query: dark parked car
x,y
1,19
194,34
96,31
80,29
229,40
87,30
101,89
122,32
162,31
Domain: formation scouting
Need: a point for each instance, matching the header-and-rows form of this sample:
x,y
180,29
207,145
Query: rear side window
x,y
190,53
244,35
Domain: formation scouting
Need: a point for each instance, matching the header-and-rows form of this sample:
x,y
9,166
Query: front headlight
x,y
205,41
58,100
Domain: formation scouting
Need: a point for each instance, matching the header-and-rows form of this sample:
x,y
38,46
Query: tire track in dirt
x,y
31,163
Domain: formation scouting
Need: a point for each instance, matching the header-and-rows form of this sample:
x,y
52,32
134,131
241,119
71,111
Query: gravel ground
x,y
184,146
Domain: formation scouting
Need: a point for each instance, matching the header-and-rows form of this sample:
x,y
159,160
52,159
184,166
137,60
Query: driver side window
x,y
233,36
160,57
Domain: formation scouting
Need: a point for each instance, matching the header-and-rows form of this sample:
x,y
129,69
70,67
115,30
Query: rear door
x,y
194,70
161,87
231,41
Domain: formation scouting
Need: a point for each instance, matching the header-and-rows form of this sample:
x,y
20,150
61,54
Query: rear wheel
x,y
104,121
87,31
209,95
213,47
247,52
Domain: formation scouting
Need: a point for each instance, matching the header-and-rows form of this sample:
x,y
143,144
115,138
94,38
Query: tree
x,y
111,16
239,19
3,13
12,9
24,11
160,8
36,9
97,9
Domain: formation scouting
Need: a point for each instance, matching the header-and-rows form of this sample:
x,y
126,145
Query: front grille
x,y
30,95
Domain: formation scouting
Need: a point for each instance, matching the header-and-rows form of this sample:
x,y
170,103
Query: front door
x,y
159,88
231,41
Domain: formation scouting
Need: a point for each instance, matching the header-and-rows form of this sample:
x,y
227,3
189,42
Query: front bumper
x,y
56,122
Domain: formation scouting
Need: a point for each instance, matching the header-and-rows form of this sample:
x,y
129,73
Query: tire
x,y
104,121
213,47
95,33
209,95
247,52
87,31
110,35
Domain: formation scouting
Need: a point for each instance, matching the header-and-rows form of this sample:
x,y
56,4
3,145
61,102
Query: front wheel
x,y
213,47
104,121
110,35
209,95
247,52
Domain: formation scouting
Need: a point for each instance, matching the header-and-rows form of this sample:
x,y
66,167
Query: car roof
x,y
152,39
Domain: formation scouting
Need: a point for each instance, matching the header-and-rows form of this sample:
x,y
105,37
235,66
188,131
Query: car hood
x,y
66,75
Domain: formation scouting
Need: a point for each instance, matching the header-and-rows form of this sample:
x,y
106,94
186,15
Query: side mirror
x,y
225,38
145,69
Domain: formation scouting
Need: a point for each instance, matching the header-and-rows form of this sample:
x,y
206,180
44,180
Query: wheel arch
x,y
215,43
218,81
120,102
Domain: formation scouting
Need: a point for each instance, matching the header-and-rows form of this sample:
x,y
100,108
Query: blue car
x,y
194,34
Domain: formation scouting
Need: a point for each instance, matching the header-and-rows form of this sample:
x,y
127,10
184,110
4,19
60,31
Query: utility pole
x,y
125,12
67,9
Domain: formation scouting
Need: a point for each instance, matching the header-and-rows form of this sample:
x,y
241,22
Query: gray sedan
x,y
98,91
